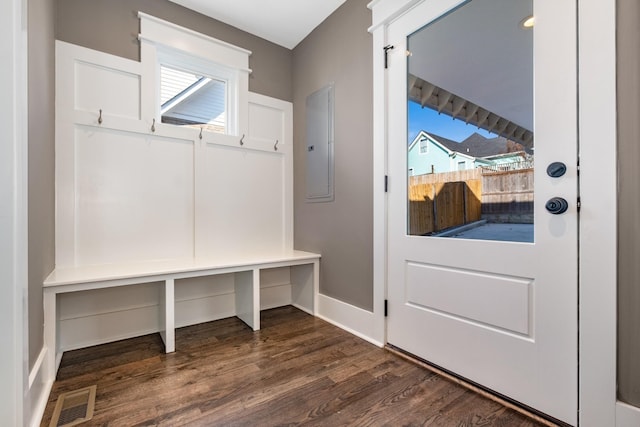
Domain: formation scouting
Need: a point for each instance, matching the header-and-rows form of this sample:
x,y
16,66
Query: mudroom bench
x,y
304,287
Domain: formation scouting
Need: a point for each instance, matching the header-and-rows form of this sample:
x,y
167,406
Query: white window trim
x,y
163,42
159,31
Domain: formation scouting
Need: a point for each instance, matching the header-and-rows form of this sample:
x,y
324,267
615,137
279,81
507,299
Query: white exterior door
x,y
502,314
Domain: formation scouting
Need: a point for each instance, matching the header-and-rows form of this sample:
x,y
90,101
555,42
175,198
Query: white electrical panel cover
x,y
319,113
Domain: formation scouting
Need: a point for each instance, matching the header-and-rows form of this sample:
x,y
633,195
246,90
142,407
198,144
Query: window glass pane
x,y
470,148
189,99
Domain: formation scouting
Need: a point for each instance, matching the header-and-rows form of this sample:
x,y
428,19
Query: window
x,y
189,99
424,146
199,81
196,92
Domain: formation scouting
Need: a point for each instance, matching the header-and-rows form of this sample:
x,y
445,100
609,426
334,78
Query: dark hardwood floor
x,y
297,370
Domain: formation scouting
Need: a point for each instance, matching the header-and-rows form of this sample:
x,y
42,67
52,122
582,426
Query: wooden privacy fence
x,y
508,196
444,200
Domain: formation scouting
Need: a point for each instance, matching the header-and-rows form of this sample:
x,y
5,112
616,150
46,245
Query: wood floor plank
x,y
297,370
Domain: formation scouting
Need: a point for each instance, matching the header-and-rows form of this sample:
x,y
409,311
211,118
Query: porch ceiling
x,y
481,54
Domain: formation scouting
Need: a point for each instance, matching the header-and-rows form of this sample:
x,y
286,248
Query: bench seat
x,y
304,284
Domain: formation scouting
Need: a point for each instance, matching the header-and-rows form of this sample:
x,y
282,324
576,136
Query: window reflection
x,y
470,154
189,99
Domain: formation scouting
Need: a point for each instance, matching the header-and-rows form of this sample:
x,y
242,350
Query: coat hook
x,y
100,118
242,140
153,126
200,134
275,147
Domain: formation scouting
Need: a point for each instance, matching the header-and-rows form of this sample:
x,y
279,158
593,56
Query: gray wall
x,y
628,201
339,51
41,16
112,26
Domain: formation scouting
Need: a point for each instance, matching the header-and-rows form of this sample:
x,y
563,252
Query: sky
x,y
441,124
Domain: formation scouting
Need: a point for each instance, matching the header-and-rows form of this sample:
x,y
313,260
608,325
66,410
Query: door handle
x,y
557,205
556,169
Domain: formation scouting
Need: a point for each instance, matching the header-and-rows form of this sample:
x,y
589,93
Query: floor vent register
x,y
74,407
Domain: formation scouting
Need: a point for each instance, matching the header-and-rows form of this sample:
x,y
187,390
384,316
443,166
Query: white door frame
x,y
13,213
598,171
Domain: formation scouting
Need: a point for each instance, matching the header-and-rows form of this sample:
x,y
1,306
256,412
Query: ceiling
x,y
480,53
283,22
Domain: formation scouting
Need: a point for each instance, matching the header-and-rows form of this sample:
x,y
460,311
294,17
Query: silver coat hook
x,y
200,136
242,140
100,118
275,146
153,126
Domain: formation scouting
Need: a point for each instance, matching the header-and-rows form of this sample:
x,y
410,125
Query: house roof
x,y
476,145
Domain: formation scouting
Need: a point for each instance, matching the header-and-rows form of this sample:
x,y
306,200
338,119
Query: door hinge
x,y
386,308
386,183
387,48
578,204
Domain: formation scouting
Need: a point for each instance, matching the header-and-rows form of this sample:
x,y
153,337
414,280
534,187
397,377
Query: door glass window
x,y
470,148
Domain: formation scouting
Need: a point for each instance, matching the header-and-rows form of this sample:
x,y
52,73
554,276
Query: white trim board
x,y
359,322
627,415
14,399
598,214
39,389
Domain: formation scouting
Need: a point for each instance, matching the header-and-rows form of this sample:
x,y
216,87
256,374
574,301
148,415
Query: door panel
x,y
455,293
497,311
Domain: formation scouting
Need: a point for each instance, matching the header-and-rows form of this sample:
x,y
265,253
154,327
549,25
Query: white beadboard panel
x,y
303,293
92,81
429,287
107,327
252,220
247,297
133,197
275,296
275,276
266,123
207,309
111,90
201,287
84,304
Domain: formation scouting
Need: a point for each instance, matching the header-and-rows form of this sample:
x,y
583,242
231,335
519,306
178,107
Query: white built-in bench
x,y
304,288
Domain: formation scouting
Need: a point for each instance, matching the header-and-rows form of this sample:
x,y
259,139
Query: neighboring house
x,y
430,153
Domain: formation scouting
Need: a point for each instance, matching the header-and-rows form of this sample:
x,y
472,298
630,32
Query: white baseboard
x,y
359,322
39,389
627,415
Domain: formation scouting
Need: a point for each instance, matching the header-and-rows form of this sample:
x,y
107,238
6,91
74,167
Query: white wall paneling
x,y
127,194
250,183
133,197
